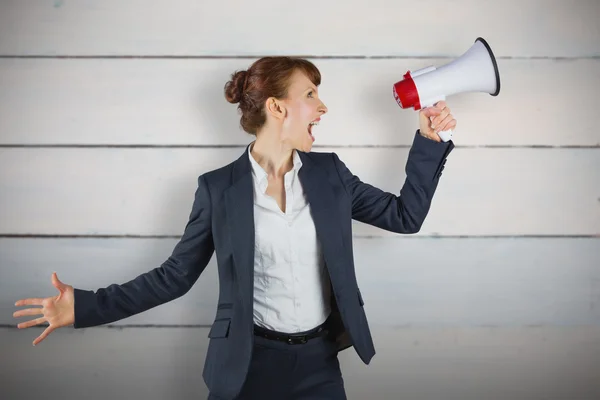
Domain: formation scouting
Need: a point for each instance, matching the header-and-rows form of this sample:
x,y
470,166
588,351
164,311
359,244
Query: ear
x,y
276,108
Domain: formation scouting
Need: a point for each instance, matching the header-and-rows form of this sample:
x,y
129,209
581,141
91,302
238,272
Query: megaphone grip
x,y
445,135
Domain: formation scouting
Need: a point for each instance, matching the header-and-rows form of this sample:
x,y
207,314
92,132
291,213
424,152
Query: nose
x,y
322,108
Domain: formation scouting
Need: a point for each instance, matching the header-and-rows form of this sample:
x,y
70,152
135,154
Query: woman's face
x,y
302,108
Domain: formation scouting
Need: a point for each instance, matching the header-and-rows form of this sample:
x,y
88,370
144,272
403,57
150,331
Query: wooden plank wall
x,y
110,110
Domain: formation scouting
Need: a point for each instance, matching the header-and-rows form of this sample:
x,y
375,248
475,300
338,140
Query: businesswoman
x,y
279,221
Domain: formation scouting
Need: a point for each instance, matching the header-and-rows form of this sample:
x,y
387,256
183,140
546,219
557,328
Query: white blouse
x,y
291,284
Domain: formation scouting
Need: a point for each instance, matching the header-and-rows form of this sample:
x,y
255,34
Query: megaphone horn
x,y
475,71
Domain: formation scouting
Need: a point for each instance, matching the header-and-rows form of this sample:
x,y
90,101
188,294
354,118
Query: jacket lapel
x,y
239,205
325,213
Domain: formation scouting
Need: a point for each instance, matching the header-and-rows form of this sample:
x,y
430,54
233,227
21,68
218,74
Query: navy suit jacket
x,y
222,222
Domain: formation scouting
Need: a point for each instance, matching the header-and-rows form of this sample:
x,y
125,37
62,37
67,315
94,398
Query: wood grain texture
x,y
514,28
429,283
150,191
549,363
181,102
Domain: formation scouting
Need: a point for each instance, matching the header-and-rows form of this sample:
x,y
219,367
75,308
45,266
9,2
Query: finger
x,y
31,323
440,118
442,123
57,283
44,334
441,104
447,124
430,112
451,125
28,311
29,302
445,120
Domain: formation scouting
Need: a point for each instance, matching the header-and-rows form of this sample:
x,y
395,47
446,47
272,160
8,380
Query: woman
x,y
279,220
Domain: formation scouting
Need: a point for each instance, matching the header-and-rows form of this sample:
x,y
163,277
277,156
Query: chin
x,y
307,147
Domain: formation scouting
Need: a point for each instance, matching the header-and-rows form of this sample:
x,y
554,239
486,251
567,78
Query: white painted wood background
x,y
109,110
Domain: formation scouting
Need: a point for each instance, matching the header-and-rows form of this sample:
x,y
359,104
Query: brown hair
x,y
266,77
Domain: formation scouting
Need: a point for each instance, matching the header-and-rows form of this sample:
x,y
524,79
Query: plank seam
x,y
252,57
242,146
9,326
404,326
428,236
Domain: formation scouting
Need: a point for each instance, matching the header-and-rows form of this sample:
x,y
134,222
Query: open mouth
x,y
310,128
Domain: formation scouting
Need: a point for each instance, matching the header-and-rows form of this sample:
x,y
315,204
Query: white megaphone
x,y
474,71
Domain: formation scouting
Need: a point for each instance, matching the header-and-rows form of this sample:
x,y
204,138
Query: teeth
x,y
314,123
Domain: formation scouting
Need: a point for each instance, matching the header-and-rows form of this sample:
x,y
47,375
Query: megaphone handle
x,y
445,135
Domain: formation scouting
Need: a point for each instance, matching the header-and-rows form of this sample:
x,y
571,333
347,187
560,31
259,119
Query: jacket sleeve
x,y
404,213
171,280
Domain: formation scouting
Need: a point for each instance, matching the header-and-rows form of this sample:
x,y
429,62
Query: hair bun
x,y
235,87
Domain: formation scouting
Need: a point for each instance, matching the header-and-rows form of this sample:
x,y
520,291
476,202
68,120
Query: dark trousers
x,y
281,371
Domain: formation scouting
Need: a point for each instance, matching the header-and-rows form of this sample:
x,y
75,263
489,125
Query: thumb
x,y
57,283
430,112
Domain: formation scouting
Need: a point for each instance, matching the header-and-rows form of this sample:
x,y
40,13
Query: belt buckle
x,y
297,339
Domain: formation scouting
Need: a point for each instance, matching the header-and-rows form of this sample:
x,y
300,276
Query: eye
x,y
310,93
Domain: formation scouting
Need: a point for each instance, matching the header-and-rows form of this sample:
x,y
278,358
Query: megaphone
x,y
475,71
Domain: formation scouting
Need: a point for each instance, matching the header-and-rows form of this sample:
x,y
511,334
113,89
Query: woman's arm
x,y
405,213
165,283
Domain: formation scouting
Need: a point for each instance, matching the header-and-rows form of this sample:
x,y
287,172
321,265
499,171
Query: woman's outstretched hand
x,y
58,311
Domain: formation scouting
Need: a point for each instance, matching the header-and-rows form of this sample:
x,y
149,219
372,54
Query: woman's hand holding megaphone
x,y
435,119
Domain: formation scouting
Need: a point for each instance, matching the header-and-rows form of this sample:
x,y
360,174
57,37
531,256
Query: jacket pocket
x,y
220,328
360,299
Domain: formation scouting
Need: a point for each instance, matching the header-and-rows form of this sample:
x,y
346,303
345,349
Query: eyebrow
x,y
311,88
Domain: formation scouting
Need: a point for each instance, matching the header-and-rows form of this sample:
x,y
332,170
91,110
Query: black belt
x,y
291,338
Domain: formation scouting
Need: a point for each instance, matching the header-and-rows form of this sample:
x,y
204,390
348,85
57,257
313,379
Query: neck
x,y
273,155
